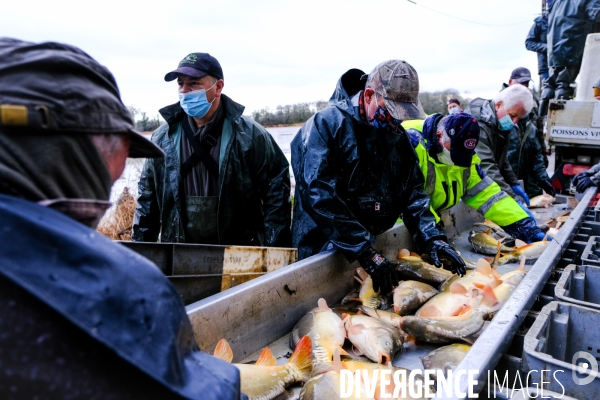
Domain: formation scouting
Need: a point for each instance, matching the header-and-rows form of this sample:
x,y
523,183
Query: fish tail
x,y
223,351
302,358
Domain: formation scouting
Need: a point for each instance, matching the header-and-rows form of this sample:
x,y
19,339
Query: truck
x,y
261,312
573,126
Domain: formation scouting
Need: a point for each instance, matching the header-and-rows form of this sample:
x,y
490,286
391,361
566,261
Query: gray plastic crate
x,y
579,284
561,331
591,253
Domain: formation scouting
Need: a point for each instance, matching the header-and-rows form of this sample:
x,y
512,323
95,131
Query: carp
x,y
443,330
374,338
326,384
413,267
485,244
531,252
497,230
356,365
325,329
446,358
510,281
391,318
367,295
264,380
447,304
483,275
544,200
410,295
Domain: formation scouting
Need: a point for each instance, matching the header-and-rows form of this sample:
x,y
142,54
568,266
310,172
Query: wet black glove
x,y
580,176
436,248
382,271
547,186
584,183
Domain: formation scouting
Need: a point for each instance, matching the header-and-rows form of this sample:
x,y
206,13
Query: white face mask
x,y
444,157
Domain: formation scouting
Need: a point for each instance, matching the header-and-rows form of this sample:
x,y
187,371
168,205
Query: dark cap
x,y
463,130
398,83
57,87
197,65
521,74
455,101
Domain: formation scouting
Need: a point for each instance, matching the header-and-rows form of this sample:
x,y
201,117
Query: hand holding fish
x,y
437,248
382,271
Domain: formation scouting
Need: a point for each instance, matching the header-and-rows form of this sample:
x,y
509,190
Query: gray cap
x,y
57,87
398,83
521,75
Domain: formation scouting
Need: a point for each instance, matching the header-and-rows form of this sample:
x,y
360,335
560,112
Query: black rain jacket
x,y
536,41
254,184
526,158
569,23
105,308
353,181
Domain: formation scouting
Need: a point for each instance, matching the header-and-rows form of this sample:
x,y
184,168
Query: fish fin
x,y
495,282
362,273
489,298
356,329
266,358
489,231
484,267
522,264
545,238
413,254
410,339
337,360
430,311
323,305
355,299
495,273
457,288
519,243
223,351
396,309
403,253
302,358
465,310
362,283
479,285
342,351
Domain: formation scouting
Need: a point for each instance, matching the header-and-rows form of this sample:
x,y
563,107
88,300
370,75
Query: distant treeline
x,y
143,122
298,113
289,114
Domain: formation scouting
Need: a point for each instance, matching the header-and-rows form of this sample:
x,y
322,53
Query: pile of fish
x,y
431,305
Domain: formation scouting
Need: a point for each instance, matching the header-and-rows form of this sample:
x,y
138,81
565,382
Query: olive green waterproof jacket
x,y
254,184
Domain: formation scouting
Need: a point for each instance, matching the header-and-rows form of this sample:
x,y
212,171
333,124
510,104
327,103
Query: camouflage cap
x,y
398,83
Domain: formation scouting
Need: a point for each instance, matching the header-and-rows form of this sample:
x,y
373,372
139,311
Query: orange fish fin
x,y
223,351
302,358
362,273
403,253
323,305
496,274
342,351
413,254
479,285
430,311
465,310
489,298
337,361
519,243
362,283
522,264
266,358
396,309
356,329
457,288
483,267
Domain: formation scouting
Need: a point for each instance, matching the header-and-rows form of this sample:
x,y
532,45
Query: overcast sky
x,y
284,52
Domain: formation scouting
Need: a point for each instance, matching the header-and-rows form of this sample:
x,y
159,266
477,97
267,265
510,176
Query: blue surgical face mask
x,y
454,110
505,123
194,103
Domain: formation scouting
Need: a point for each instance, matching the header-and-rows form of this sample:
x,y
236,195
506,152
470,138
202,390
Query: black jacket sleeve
x,y
146,220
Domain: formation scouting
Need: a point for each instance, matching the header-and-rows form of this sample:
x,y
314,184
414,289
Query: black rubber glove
x,y
436,248
584,183
382,271
547,186
580,176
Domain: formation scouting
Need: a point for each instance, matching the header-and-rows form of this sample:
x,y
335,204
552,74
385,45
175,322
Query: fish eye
x,y
388,344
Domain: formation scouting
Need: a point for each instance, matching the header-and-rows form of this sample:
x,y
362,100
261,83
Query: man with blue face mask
x,y
454,107
224,179
356,173
497,118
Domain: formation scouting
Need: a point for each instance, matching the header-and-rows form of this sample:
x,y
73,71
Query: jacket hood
x,y
488,113
174,113
349,84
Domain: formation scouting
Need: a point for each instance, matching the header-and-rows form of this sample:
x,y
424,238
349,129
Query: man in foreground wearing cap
x,y
82,317
224,180
454,107
356,173
452,171
496,119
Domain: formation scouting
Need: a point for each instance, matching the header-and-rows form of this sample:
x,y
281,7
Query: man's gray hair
x,y
515,95
441,127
